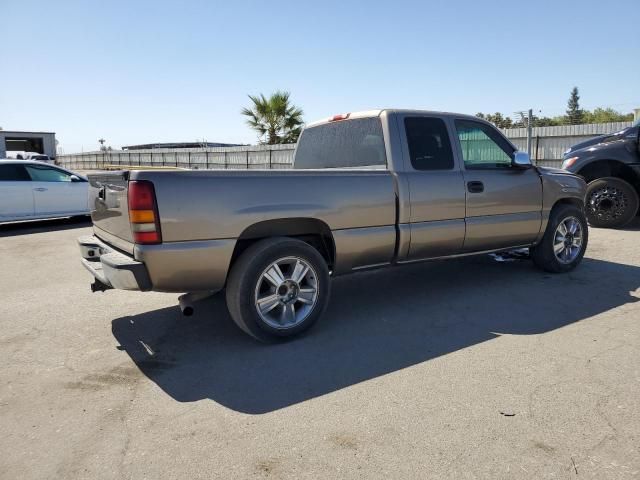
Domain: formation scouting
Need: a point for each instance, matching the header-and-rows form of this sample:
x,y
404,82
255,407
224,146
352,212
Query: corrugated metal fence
x,y
548,145
259,157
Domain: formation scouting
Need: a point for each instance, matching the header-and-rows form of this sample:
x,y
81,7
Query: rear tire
x,y
564,242
278,288
610,202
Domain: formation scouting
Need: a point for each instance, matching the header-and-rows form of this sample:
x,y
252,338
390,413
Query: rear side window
x,y
13,173
429,145
343,144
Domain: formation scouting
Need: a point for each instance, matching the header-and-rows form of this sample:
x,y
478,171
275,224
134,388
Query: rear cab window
x,y
356,143
13,173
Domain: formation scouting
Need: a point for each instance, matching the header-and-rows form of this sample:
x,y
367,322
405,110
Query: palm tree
x,y
275,119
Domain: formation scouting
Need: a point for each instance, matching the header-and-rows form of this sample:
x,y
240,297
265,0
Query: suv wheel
x,y
611,202
278,288
564,242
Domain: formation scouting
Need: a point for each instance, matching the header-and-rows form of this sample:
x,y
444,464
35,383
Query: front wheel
x,y
278,288
611,202
564,242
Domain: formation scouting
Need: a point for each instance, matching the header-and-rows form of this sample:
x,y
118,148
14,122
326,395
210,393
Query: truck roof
x,y
378,112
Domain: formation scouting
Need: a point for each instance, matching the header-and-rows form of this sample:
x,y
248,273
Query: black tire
x,y
543,255
610,202
246,274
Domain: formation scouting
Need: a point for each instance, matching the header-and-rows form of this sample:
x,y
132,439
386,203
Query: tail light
x,y
143,213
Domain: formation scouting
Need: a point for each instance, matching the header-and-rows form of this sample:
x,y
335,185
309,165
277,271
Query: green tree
x,y
497,119
546,121
275,119
575,116
606,115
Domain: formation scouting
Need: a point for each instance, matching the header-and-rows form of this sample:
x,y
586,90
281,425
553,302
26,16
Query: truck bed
x,y
211,209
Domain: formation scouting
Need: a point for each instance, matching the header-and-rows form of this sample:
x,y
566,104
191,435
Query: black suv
x,y
611,166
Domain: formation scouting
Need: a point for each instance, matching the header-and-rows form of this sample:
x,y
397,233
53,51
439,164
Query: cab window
x,y
482,146
39,173
429,145
356,143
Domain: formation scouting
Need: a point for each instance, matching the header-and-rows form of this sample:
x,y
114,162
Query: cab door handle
x,y
40,189
475,187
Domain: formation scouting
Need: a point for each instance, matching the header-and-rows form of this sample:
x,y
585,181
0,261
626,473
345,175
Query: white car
x,y
20,155
32,190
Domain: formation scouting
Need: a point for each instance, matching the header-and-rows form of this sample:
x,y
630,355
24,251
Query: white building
x,y
39,142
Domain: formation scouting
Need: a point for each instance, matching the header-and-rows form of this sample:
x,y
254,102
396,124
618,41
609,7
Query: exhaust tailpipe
x,y
187,301
98,286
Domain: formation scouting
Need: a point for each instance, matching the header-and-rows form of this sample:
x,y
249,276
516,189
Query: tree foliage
x,y
575,115
606,115
275,119
497,119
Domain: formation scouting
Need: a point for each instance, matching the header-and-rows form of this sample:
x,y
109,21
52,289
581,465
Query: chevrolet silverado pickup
x,y
369,189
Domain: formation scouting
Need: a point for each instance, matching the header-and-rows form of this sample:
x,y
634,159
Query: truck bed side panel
x,y
202,213
209,205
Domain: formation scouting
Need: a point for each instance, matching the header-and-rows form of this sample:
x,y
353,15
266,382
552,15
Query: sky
x,y
160,71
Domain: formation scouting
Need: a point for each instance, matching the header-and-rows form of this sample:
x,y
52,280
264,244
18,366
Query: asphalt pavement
x,y
482,367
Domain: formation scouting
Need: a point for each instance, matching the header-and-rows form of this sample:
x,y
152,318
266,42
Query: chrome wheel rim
x,y
608,203
286,292
567,240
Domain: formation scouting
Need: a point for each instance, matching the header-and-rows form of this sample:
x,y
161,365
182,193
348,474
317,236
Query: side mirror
x,y
521,160
75,178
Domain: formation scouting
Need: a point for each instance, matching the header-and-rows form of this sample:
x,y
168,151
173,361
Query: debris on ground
x,y
511,255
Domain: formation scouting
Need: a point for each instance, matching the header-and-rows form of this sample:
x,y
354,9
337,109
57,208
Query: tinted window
x,y
482,146
13,173
342,144
47,174
429,145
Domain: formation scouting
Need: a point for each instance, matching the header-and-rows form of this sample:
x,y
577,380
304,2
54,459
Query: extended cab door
x,y
503,203
16,196
436,188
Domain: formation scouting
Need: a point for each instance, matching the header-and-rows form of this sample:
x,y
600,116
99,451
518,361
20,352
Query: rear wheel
x,y
278,288
611,202
564,242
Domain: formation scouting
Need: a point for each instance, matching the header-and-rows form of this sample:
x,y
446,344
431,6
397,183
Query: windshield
x,y
637,122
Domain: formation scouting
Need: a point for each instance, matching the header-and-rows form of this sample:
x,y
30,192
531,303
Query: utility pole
x,y
529,131
528,123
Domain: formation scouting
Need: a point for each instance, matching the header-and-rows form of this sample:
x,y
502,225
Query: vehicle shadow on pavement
x,y
633,226
42,226
377,323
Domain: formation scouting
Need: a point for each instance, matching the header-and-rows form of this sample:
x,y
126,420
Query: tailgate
x,y
109,210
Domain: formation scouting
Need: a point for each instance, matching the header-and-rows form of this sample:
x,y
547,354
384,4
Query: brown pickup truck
x,y
370,189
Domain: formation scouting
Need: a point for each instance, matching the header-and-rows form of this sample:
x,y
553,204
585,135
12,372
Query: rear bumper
x,y
111,267
192,266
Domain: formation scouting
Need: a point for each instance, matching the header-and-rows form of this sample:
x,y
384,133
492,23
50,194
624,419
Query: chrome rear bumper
x,y
113,268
